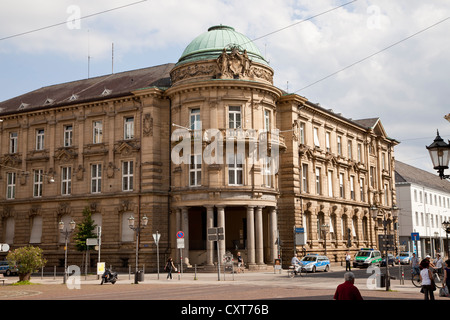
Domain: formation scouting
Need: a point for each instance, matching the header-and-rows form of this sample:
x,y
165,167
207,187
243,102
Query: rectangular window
x,y
235,166
361,190
327,141
330,183
266,172
352,187
305,178
316,137
339,146
127,176
302,133
266,120
96,178
10,185
318,182
66,181
38,183
234,118
360,156
40,139
97,132
195,123
128,128
68,135
341,185
350,151
13,142
195,171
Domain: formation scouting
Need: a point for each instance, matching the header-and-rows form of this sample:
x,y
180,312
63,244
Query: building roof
x,y
108,86
405,173
210,45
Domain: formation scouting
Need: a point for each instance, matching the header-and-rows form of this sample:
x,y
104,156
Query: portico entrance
x,y
250,230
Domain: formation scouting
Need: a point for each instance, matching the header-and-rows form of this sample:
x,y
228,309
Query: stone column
x,y
209,244
259,244
221,224
185,229
273,231
251,235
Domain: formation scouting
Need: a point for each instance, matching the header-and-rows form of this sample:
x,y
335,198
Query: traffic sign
x,y
180,234
180,243
415,236
4,247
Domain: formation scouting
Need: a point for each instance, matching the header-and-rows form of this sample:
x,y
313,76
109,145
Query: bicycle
x,y
295,270
437,277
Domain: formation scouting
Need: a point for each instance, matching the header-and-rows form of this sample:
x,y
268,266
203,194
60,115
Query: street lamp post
x,y
138,230
375,209
324,229
66,232
446,227
440,155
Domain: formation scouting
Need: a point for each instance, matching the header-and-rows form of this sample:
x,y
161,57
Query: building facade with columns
x,y
208,142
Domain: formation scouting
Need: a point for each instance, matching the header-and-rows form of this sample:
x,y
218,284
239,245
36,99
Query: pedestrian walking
x,y
348,264
426,278
348,290
445,290
240,263
169,267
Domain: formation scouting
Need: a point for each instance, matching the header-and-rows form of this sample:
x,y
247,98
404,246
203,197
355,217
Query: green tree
x,y
85,230
28,259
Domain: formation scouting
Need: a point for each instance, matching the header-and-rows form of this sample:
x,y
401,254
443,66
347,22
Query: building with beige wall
x,y
207,142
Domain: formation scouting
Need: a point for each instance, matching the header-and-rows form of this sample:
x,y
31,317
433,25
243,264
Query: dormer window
x,y
23,106
73,97
48,102
106,92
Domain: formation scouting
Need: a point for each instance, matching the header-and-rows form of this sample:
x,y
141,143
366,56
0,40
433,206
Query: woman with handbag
x,y
169,267
446,281
426,278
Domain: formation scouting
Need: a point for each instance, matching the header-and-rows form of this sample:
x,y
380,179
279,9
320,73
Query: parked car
x,y
391,260
6,269
367,257
314,262
403,258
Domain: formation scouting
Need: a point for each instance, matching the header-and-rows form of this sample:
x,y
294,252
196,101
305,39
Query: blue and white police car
x,y
6,269
313,262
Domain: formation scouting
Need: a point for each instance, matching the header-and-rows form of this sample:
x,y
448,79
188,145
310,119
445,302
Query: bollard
x,y
195,276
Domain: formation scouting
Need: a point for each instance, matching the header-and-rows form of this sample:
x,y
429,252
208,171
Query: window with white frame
x,y
266,172
13,140
40,139
97,132
350,149
341,185
235,166
352,187
330,183
318,181
316,137
195,170
38,183
128,128
360,155
266,120
195,123
234,117
339,145
11,185
305,177
302,132
68,135
327,141
361,190
96,178
127,176
66,181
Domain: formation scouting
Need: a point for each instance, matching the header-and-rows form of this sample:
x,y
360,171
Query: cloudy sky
x,y
406,85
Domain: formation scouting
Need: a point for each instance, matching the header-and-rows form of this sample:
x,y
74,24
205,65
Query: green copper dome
x,y
210,45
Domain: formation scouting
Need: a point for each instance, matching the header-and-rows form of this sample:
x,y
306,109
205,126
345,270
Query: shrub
x,y
27,259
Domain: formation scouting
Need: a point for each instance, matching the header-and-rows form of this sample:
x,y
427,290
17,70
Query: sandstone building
x,y
206,142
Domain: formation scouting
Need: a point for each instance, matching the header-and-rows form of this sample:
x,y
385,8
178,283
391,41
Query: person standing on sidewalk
x,y
348,262
426,276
